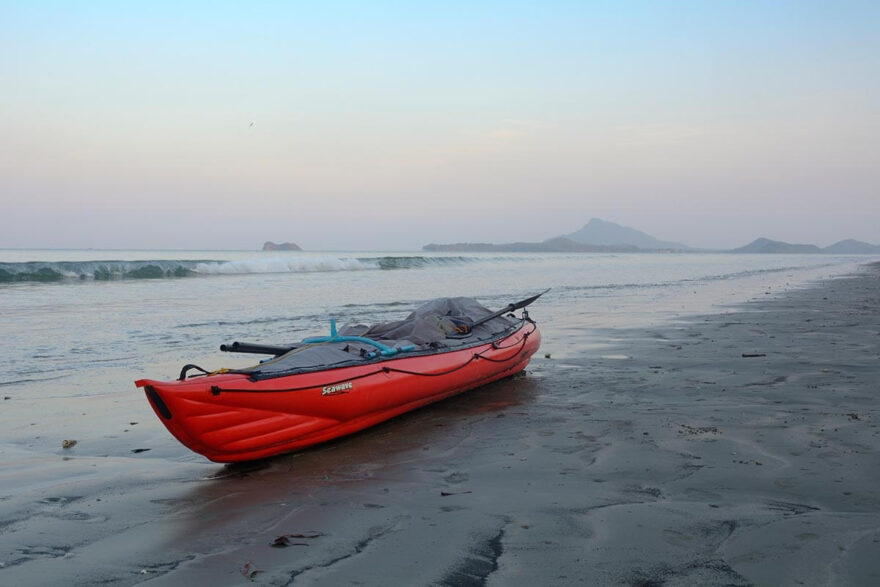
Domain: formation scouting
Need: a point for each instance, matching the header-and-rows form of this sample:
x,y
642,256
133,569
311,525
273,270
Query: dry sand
x,y
674,460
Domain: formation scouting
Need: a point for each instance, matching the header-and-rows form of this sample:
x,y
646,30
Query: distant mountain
x,y
852,247
598,232
270,246
553,245
599,236
765,245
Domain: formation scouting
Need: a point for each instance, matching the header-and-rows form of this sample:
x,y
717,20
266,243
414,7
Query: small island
x,y
270,246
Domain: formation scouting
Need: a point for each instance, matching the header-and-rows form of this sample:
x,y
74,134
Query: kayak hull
x,y
231,418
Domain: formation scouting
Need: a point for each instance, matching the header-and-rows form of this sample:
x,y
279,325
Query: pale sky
x,y
389,125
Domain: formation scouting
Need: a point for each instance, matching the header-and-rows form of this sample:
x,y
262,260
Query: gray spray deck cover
x,y
428,328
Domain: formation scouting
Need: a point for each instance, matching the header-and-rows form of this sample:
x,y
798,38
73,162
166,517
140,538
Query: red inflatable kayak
x,y
324,388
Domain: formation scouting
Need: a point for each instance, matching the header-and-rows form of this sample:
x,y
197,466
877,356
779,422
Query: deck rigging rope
x,y
216,389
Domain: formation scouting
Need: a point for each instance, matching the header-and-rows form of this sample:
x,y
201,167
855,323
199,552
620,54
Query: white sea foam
x,y
283,264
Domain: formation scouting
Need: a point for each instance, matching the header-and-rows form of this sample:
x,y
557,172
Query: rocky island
x,y
270,246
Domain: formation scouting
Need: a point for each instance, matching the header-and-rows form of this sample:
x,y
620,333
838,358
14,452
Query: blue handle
x,y
389,352
385,351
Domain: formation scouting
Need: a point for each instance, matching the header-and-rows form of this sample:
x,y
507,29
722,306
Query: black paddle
x,y
510,308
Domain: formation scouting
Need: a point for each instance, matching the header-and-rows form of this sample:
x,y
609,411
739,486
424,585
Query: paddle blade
x,y
509,308
527,301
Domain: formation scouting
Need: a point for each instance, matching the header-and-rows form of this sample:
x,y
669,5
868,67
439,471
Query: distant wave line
x,y
616,287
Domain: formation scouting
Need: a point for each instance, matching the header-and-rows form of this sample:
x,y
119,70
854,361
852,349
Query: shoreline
x,y
671,458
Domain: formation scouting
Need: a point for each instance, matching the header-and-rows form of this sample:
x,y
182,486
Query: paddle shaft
x,y
256,349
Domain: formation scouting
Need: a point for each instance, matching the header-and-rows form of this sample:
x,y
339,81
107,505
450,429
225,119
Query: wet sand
x,y
734,449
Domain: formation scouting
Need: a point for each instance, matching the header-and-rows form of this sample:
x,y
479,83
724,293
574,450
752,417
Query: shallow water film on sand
x,y
689,419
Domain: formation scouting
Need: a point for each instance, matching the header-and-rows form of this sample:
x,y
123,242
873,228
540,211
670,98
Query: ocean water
x,y
82,323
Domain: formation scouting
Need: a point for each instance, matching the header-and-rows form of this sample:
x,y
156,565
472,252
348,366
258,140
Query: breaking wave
x,y
280,265
47,271
61,271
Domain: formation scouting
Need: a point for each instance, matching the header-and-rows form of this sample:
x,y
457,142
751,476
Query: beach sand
x,y
733,449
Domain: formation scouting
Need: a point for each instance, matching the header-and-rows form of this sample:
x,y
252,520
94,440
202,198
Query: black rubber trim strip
x,y
157,402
